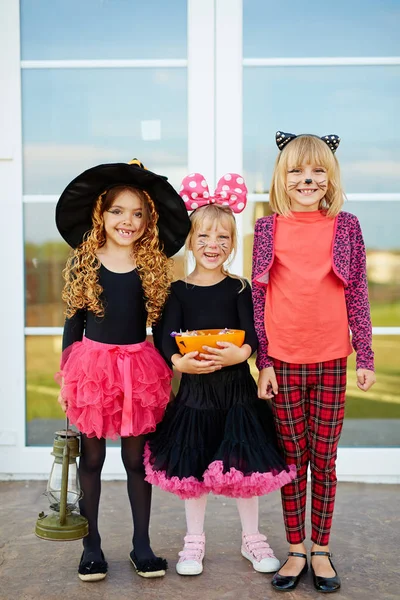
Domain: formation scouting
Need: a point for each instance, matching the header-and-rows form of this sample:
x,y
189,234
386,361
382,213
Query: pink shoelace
x,y
193,549
257,545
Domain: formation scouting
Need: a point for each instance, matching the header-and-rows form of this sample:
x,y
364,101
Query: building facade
x,y
190,85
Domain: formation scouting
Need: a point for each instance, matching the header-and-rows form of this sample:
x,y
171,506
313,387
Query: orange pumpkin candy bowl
x,y
192,341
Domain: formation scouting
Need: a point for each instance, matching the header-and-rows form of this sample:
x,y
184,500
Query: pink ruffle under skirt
x,y
114,390
233,483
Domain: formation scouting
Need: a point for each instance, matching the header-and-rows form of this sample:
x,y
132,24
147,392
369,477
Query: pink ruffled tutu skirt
x,y
114,390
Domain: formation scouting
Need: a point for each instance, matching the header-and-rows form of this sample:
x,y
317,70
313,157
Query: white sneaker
x,y
191,557
257,550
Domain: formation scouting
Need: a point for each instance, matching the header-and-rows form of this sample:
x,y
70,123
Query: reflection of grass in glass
x,y
42,362
385,315
381,402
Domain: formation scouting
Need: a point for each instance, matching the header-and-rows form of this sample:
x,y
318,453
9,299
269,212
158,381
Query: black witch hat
x,y
75,206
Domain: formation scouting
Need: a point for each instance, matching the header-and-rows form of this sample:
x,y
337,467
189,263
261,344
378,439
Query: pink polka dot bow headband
x,y
231,191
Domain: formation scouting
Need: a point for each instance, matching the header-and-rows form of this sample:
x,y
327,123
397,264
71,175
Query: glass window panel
x,y
103,29
379,222
43,413
292,29
111,115
380,225
45,257
358,103
372,419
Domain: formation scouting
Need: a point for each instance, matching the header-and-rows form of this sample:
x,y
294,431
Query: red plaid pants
x,y
309,412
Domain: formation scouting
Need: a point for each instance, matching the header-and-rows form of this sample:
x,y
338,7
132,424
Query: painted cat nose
x,y
308,181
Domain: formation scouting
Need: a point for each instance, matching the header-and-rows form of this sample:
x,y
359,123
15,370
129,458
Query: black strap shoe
x,y
326,585
287,583
93,570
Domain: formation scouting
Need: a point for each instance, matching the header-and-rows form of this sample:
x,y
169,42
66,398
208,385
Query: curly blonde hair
x,y
312,150
81,273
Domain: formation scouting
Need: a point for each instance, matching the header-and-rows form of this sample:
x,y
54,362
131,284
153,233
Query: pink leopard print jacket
x,y
348,263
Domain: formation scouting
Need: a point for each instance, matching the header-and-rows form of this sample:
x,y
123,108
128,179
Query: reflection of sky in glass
x,y
287,28
39,222
103,29
358,103
379,222
74,119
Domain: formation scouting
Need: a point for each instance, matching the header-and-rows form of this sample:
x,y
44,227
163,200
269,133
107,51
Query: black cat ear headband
x,y
282,139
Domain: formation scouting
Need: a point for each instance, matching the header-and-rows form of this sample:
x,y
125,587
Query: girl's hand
x,y
189,364
365,379
267,384
227,354
63,403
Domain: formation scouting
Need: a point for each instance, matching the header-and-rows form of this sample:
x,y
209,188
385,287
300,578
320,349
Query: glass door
x,y
89,83
204,86
332,77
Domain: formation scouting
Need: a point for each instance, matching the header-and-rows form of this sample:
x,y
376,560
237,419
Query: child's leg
x,y
290,407
139,492
327,402
254,545
191,557
290,415
91,462
248,512
195,510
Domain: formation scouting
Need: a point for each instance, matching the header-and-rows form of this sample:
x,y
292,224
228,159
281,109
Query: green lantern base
x,y
48,527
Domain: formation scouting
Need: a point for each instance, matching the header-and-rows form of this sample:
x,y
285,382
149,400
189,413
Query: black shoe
x,y
149,567
325,585
93,570
287,583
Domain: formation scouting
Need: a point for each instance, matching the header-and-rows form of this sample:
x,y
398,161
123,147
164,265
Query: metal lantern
x,y
64,492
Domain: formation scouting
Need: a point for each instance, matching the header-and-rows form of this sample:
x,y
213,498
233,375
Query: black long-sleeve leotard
x,y
210,307
124,320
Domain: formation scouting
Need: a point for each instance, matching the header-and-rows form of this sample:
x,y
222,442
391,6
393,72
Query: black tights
x,y
93,452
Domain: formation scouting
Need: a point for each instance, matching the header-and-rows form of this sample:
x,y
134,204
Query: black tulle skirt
x,y
217,436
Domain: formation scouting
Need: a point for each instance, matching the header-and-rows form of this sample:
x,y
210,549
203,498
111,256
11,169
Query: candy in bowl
x,y
190,341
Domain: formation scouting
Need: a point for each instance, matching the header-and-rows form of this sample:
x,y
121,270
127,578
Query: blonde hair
x,y
308,149
81,273
215,213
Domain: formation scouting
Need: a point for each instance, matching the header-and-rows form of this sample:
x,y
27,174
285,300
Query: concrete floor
x,y
364,542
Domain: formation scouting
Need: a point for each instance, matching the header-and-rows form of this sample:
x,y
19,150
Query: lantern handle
x,y
64,478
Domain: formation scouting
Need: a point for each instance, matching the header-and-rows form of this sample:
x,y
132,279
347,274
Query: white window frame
x,y
18,461
353,464
214,65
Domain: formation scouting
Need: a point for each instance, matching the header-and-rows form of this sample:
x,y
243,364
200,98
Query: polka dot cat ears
x,y
282,139
231,191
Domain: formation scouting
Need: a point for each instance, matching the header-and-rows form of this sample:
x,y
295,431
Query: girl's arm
x,y
259,293
246,317
171,320
73,332
357,302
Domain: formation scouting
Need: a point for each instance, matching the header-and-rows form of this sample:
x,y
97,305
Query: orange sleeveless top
x,y
305,310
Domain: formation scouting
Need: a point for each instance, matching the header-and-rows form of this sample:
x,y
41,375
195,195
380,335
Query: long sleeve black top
x,y
210,307
125,316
